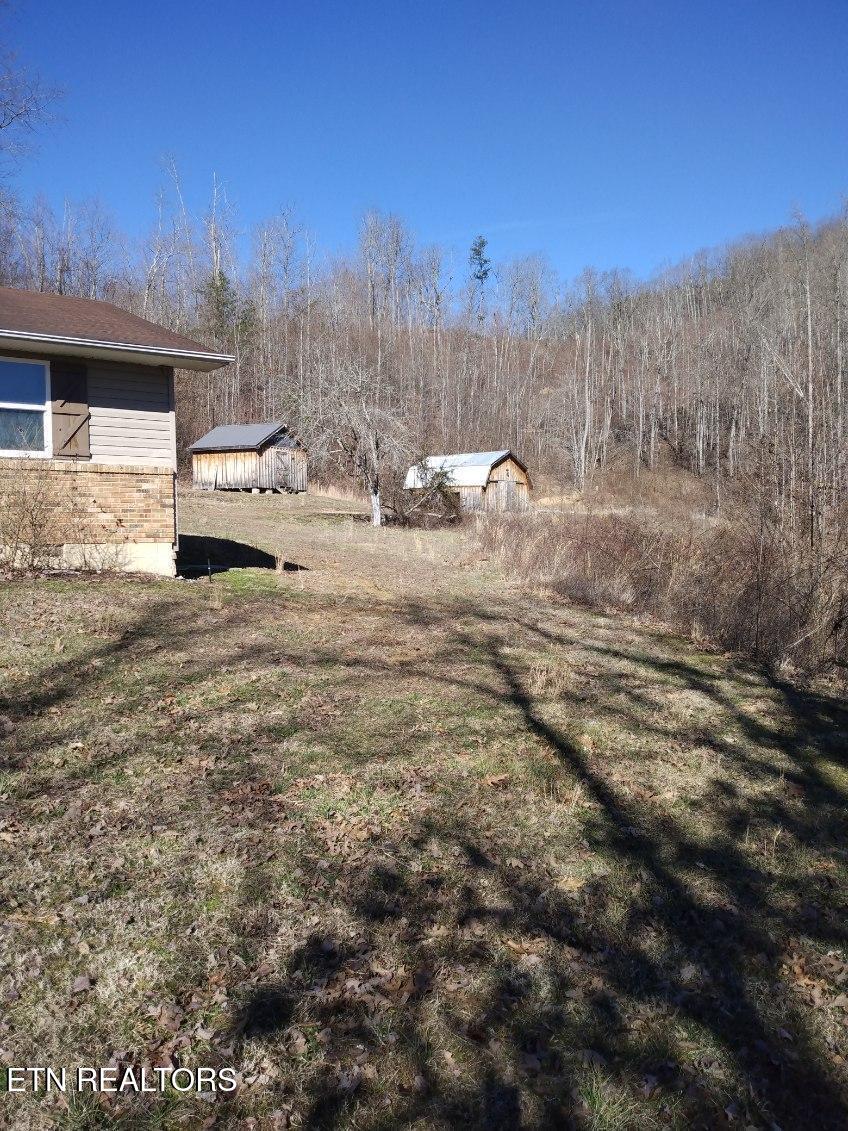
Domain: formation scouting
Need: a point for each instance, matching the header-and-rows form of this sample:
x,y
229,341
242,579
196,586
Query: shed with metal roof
x,y
481,481
249,457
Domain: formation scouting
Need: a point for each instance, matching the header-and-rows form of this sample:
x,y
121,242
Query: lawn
x,y
408,847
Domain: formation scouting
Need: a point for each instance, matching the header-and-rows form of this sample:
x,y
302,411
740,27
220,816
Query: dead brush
x,y
751,583
29,536
40,517
545,681
109,623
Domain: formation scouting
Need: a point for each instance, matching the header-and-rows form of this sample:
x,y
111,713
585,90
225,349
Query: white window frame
x,y
47,451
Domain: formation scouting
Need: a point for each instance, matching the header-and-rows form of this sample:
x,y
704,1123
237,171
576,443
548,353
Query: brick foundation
x,y
98,516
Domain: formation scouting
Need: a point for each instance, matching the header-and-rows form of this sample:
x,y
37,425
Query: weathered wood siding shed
x,y
484,481
249,457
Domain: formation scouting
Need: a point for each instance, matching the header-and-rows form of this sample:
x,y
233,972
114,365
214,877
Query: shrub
x,y
39,516
751,584
438,505
29,503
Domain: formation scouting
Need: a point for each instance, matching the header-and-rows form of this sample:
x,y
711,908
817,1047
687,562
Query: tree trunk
x,y
376,509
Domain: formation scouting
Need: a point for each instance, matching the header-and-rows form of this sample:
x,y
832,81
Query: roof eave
x,y
227,448
200,361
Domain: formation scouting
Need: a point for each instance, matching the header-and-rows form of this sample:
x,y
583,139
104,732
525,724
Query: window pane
x,y
21,431
21,382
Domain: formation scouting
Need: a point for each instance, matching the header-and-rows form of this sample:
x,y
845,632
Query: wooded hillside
x,y
731,363
728,370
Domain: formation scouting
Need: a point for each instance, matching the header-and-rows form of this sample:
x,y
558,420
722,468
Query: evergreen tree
x,y
481,267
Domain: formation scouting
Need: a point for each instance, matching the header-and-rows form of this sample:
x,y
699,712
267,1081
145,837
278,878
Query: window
x,y
24,408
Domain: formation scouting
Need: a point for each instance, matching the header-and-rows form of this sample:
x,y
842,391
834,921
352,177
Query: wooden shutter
x,y
69,385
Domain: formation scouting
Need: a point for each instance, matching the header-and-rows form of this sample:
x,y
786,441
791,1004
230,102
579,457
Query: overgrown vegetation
x,y
751,584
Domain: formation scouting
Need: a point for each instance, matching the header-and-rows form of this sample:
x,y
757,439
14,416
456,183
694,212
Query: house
x,y
483,481
243,457
87,428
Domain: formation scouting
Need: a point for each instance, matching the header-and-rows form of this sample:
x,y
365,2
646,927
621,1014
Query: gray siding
x,y
132,419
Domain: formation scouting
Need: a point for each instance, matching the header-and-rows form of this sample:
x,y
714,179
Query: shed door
x,y
508,494
283,478
501,495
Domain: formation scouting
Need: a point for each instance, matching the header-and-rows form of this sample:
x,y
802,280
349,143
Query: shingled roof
x,y
46,323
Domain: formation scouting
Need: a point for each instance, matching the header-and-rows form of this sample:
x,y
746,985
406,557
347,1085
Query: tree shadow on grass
x,y
702,948
449,981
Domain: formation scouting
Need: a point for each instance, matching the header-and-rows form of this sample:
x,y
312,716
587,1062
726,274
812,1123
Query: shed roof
x,y
46,323
238,437
463,469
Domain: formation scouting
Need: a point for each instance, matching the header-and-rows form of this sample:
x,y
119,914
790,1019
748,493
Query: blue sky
x,y
606,133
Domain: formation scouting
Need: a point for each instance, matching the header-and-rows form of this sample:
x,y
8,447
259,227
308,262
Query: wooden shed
x,y
245,457
483,481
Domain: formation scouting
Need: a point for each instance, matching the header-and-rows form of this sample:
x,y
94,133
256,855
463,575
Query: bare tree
x,y
730,366
25,103
366,436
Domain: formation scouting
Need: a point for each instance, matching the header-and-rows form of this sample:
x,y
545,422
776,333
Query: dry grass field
x,y
410,847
